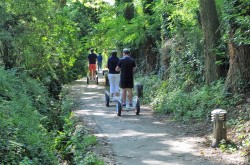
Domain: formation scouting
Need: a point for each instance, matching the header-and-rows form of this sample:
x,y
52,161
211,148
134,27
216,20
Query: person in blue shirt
x,y
113,76
127,67
99,61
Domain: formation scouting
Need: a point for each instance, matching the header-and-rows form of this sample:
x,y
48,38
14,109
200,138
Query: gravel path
x,y
143,139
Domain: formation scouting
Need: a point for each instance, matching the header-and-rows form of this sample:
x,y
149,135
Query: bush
x,y
165,97
22,137
75,143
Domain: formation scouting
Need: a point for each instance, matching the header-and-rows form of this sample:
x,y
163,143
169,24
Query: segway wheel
x,y
118,108
107,99
137,107
87,80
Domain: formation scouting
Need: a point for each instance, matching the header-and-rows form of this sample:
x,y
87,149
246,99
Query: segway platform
x,y
93,80
109,99
135,107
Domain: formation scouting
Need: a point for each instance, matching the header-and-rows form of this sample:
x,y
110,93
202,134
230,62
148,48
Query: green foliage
x,y
74,143
227,147
196,103
21,134
187,61
151,86
91,159
237,14
239,132
42,39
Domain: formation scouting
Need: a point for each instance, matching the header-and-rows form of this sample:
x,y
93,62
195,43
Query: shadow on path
x,y
136,139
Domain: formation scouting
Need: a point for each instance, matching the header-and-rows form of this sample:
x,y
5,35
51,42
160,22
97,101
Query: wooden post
x,y
139,90
219,127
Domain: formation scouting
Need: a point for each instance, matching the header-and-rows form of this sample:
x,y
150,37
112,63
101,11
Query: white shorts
x,y
114,80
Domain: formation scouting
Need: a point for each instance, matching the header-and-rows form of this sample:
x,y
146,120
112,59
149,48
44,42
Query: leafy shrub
x,y
150,87
22,137
196,103
74,144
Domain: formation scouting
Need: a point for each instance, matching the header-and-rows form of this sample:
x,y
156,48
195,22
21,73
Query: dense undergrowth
x,y
185,103
37,129
195,104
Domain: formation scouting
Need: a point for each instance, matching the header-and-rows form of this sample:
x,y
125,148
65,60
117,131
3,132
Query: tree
x,y
166,43
238,77
210,26
148,48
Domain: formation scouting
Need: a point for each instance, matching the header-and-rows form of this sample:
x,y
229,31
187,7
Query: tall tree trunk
x,y
238,77
239,70
210,26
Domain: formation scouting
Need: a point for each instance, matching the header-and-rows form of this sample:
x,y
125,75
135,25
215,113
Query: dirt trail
x,y
138,140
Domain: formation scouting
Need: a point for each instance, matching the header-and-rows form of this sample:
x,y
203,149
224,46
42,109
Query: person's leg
x,y
130,96
124,96
90,71
94,71
111,84
99,66
116,84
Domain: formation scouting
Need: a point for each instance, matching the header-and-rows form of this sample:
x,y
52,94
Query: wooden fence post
x,y
219,126
139,90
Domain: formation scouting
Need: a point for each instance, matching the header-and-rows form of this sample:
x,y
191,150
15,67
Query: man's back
x,y
92,58
127,65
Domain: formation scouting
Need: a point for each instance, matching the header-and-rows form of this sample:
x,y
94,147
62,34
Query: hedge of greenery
x,y
23,138
37,129
184,103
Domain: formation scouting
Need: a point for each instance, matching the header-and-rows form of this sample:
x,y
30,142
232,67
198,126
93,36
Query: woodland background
x,y
192,56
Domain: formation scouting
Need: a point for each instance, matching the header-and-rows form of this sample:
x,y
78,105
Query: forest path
x,y
131,139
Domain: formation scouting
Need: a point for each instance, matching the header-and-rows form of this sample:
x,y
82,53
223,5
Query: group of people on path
x,y
121,74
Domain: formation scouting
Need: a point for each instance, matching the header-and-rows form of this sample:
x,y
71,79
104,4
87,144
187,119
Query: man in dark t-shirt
x,y
92,64
127,67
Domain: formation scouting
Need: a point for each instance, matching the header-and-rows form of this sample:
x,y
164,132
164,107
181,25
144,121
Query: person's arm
x,y
118,69
134,68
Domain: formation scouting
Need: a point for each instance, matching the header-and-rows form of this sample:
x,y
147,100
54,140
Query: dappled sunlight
x,y
158,123
132,133
155,162
90,112
178,146
161,153
94,86
92,93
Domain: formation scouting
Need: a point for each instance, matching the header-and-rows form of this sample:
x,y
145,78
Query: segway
x,y
135,107
109,99
93,80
